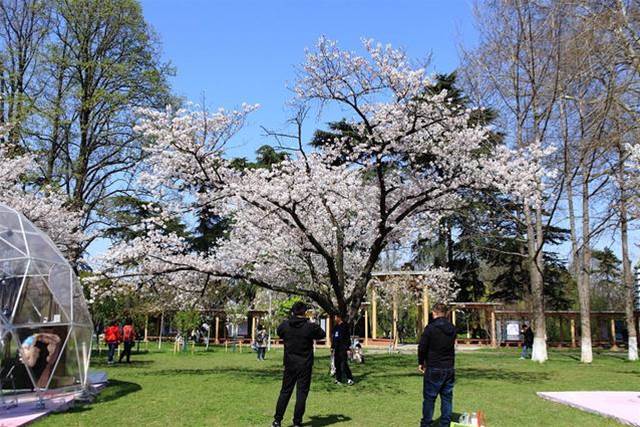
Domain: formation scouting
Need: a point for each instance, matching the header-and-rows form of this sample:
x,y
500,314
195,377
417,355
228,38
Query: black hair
x,y
299,308
440,308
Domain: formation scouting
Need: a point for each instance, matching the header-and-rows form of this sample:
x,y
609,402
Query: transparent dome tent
x,y
45,326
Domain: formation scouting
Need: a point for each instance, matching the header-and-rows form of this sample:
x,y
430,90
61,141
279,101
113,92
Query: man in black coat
x,y
527,342
340,345
298,334
436,360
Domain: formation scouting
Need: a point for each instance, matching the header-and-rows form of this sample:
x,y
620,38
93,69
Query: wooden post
x,y
395,322
374,314
160,331
613,335
327,332
217,329
366,326
494,341
453,316
573,333
146,328
253,328
425,307
208,335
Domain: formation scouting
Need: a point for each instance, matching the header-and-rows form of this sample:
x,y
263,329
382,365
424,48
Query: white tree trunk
x,y
535,261
584,283
586,352
539,353
633,348
627,272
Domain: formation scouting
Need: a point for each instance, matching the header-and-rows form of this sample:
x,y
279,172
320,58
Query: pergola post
x,y
328,332
613,335
494,342
573,332
160,331
217,337
395,321
366,325
425,307
253,328
374,314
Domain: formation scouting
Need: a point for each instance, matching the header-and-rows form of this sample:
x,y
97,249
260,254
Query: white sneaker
x,y
350,382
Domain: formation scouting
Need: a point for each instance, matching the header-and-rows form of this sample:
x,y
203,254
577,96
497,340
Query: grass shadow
x,y
115,390
326,420
266,374
454,417
501,375
102,363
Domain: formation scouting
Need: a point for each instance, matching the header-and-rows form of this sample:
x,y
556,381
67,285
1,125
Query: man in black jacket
x,y
298,334
436,360
340,345
527,342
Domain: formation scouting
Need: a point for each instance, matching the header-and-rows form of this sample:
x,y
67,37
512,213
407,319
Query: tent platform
x,y
27,411
622,406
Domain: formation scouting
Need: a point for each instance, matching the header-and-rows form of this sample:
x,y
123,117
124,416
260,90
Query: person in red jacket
x,y
128,339
112,337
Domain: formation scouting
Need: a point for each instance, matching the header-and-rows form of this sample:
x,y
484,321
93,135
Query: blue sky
x,y
246,51
239,51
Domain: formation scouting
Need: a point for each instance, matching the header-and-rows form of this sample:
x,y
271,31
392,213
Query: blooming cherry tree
x,y
315,225
44,206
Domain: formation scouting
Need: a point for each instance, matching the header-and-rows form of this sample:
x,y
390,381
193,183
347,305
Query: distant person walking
x,y
436,360
340,345
527,341
298,334
128,338
262,340
112,338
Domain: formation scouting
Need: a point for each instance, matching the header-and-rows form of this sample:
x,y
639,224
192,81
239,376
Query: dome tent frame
x,y
45,325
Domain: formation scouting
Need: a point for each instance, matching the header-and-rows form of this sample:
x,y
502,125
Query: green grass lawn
x,y
230,389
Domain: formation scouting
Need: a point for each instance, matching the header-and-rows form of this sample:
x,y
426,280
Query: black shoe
x,y
276,424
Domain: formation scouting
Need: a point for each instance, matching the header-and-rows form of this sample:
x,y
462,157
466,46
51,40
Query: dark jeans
x,y
343,372
301,379
261,352
112,350
437,382
525,351
128,345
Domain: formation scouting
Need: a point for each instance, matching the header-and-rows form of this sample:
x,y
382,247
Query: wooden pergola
x,y
381,276
489,309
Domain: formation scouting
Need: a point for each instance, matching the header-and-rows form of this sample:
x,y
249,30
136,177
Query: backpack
x,y
128,333
111,334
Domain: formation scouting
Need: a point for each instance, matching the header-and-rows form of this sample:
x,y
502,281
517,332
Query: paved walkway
x,y
622,406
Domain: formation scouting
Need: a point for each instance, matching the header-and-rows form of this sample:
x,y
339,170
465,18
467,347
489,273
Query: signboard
x,y
513,330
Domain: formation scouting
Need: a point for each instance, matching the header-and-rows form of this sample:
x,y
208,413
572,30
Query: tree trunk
x,y
626,266
569,177
539,353
584,284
